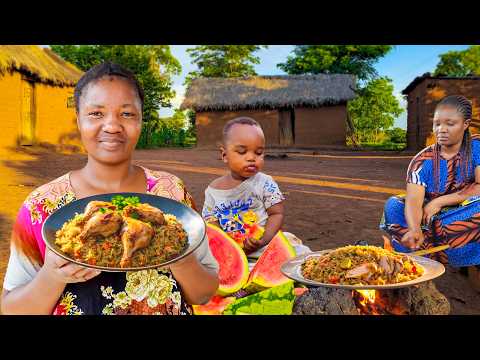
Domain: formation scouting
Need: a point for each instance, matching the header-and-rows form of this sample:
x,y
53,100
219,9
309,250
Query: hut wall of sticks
x,y
36,94
305,111
424,93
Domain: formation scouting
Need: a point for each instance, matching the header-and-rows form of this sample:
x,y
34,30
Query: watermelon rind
x,y
256,282
224,289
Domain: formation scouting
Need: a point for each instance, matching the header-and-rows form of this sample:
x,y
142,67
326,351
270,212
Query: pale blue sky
x,y
402,65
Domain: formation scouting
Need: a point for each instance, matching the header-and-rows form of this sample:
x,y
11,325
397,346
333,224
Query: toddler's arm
x,y
273,225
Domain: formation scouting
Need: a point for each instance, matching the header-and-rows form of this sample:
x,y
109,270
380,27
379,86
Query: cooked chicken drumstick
x,y
94,206
135,235
104,224
145,212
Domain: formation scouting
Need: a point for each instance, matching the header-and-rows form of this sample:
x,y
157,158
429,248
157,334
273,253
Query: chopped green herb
x,y
120,201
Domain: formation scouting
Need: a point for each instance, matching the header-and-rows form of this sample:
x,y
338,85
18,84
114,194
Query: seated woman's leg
x,y
393,221
460,228
395,224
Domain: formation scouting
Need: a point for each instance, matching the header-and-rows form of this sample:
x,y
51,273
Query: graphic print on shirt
x,y
230,215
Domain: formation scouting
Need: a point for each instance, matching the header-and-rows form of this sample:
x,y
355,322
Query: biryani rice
x,y
169,240
333,267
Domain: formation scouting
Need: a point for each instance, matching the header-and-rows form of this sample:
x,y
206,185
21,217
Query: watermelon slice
x,y
266,272
299,291
275,301
233,263
215,306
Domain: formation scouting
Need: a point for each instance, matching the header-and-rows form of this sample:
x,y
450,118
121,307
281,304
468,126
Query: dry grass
x,y
41,64
213,94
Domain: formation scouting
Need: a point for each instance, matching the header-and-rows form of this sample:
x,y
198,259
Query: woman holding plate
x,y
109,105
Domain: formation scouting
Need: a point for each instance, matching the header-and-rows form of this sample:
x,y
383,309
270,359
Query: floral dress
x,y
153,291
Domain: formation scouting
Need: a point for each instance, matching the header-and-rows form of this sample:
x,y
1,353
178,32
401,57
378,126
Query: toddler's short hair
x,y
243,120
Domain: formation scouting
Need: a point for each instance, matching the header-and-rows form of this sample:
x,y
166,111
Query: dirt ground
x,y
332,198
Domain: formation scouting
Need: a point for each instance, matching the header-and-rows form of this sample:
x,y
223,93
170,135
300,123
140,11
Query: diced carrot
x,y
333,279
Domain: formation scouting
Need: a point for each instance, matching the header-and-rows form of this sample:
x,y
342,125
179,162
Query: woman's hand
x,y
64,271
413,239
429,210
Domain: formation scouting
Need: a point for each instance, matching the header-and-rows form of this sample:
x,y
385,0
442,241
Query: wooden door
x,y
286,120
28,113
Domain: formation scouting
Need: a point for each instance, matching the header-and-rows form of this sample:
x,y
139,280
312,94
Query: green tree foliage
x,y
223,60
375,109
397,135
153,65
220,61
459,63
357,60
173,131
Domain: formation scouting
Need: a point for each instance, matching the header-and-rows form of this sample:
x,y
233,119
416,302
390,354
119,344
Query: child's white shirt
x,y
232,207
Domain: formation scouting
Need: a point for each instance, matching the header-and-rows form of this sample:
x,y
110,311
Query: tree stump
x,y
421,299
325,301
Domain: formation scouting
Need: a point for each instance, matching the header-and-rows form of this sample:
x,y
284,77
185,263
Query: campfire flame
x,y
368,295
372,302
365,300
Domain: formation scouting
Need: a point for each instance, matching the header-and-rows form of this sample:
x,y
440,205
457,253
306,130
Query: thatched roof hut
x,y
36,93
268,92
41,64
300,110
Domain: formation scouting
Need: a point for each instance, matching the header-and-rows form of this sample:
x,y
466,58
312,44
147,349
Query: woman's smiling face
x,y
110,119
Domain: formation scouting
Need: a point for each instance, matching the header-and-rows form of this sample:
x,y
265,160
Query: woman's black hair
x,y
463,107
101,70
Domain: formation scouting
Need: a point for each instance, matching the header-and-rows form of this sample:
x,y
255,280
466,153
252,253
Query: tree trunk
x,y
351,130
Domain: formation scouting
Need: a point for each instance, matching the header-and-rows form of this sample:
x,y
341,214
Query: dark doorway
x,y
287,126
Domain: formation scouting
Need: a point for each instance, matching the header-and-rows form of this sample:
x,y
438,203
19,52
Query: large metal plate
x,y
292,269
191,221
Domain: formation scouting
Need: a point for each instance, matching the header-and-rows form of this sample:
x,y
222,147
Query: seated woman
x,y
443,183
109,105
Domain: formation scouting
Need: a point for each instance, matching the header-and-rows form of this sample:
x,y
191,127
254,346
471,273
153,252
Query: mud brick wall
x,y
10,109
210,125
320,126
313,126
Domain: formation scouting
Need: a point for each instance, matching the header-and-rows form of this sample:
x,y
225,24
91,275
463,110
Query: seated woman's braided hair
x,y
464,107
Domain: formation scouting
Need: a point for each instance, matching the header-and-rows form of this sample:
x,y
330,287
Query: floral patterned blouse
x,y
140,292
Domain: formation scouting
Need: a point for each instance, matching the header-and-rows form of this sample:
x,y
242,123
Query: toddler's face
x,y
244,150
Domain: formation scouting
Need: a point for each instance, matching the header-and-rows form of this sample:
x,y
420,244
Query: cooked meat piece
x,y
93,206
398,267
361,270
135,235
386,265
145,212
104,224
